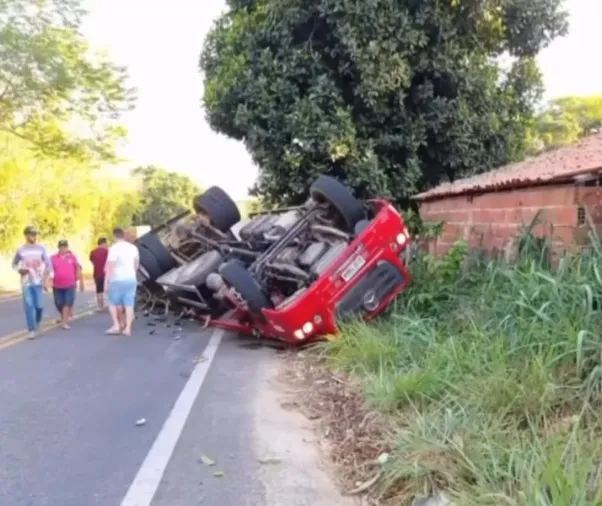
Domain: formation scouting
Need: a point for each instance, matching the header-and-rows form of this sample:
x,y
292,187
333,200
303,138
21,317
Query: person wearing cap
x,y
67,274
121,283
31,261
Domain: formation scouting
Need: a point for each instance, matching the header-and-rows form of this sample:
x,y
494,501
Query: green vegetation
x,y
492,375
565,120
55,91
163,194
57,195
61,105
248,205
392,96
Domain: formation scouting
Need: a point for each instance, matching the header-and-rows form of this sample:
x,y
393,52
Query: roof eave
x,y
510,185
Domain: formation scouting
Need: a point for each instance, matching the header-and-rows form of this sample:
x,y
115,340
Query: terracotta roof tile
x,y
563,163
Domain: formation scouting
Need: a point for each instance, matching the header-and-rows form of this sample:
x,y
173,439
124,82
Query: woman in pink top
x,y
67,272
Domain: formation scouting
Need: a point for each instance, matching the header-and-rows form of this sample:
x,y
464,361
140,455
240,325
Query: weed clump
x,y
492,374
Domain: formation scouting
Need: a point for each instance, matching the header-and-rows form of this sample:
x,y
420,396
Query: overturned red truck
x,y
290,274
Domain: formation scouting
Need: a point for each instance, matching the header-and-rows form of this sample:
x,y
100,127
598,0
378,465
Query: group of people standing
x,y
114,272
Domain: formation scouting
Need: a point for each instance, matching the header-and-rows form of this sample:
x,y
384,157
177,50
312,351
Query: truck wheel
x,y
195,273
329,190
238,277
217,205
152,243
149,267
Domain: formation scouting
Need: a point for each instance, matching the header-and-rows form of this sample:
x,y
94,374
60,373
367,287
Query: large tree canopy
x,y
57,94
391,95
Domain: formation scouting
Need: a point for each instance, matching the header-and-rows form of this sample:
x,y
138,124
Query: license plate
x,y
353,268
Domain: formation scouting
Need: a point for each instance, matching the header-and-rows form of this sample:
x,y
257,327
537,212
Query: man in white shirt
x,y
120,281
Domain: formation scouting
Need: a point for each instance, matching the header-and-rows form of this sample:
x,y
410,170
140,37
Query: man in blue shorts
x,y
120,282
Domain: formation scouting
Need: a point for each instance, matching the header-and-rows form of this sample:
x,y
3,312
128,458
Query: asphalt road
x,y
70,402
12,318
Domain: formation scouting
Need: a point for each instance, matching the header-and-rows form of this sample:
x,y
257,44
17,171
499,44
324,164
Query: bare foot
x,y
127,332
113,331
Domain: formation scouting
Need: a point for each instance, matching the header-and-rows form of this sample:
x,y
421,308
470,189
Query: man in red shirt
x,y
67,272
98,257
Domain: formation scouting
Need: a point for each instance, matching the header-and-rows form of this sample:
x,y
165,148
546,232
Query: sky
x,y
160,42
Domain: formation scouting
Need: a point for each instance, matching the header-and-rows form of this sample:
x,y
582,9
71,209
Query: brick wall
x,y
493,220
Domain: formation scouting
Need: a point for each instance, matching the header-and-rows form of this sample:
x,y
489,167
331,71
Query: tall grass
x,y
493,374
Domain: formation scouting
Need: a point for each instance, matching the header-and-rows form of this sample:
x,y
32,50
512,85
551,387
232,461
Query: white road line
x,y
145,484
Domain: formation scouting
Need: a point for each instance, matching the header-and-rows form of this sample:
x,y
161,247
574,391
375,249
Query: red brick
x,y
460,216
453,229
497,200
450,204
546,196
570,235
477,237
436,206
566,215
543,229
431,216
496,243
521,215
493,219
427,207
480,228
595,212
482,215
506,231
588,195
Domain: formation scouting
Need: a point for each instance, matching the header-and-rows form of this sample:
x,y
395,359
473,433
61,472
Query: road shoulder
x,y
293,470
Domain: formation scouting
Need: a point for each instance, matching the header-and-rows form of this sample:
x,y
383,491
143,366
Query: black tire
x,y
195,273
329,190
149,267
152,243
217,205
238,277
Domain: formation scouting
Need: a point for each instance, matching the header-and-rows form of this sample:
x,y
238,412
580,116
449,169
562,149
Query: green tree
x,y
565,120
54,91
59,196
163,194
390,95
115,203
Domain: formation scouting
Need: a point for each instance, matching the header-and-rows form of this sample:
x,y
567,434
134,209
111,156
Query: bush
x,y
493,375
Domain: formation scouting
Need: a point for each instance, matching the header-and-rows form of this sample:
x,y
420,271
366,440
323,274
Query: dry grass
x,y
356,436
